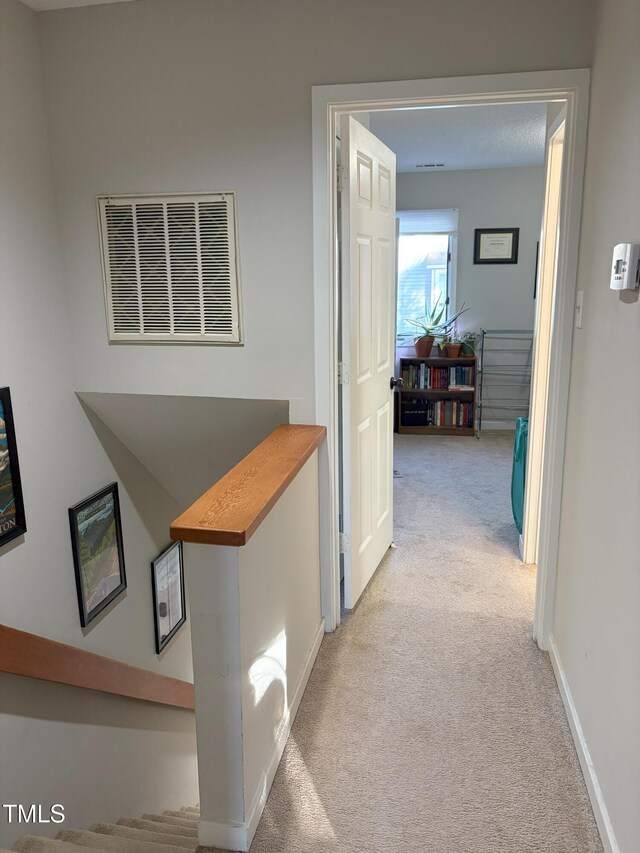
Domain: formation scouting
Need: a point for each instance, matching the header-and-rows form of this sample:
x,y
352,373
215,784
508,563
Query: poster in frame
x,y
496,246
98,553
169,608
12,516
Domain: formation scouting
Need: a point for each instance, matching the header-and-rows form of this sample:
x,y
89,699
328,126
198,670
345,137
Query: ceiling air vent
x,y
170,267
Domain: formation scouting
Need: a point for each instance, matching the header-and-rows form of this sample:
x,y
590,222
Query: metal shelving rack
x,y
504,373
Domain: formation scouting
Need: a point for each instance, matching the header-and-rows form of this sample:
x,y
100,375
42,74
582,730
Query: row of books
x,y
443,413
422,376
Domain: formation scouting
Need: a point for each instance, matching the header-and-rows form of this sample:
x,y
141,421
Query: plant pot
x,y
453,350
424,345
467,350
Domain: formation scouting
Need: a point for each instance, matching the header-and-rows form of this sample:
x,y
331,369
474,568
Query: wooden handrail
x,y
37,657
231,511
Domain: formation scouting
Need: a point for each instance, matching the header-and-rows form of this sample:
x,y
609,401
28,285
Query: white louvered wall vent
x,y
171,268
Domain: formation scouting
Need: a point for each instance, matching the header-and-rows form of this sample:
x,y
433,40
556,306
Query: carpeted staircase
x,y
170,832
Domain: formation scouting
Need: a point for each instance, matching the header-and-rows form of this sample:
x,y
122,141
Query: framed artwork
x,y
98,555
496,246
167,578
12,518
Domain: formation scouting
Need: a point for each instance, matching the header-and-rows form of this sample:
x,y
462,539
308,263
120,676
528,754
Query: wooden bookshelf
x,y
422,409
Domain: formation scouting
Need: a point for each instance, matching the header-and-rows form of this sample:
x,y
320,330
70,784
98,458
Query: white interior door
x,y
368,210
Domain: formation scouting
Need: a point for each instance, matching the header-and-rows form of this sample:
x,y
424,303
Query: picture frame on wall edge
x,y
496,246
98,552
169,606
13,522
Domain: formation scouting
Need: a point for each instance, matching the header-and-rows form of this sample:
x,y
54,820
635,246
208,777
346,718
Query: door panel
x,y
365,464
368,338
384,449
363,307
384,307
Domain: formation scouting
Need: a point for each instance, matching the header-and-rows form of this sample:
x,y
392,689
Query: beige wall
x,y
57,744
167,95
102,757
61,458
597,625
498,297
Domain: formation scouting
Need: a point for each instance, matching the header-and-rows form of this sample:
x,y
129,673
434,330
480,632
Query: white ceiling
x,y
43,5
473,137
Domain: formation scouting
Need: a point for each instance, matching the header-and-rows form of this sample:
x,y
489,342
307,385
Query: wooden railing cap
x,y
231,511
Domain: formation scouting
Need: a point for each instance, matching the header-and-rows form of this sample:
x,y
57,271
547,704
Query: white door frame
x,y
547,273
328,104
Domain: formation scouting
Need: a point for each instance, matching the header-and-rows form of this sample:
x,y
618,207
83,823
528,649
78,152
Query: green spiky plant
x,y
433,325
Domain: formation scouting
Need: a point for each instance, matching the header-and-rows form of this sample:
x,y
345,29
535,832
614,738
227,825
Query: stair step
x,y
98,841
144,835
170,819
36,844
191,810
156,826
181,814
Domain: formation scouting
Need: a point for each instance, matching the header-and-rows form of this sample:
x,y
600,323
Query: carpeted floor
x,y
431,721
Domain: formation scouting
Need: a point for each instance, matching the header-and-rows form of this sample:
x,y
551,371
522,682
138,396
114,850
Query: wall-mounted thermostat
x,y
625,269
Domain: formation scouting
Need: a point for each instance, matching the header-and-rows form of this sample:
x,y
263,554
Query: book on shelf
x,y
425,377
419,412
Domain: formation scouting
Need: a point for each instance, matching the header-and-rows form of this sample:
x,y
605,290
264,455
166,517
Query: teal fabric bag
x,y
519,470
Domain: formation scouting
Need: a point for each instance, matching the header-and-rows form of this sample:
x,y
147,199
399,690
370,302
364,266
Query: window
x,y
171,268
424,247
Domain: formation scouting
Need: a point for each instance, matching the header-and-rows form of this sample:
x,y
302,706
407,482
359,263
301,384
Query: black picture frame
x,y
481,255
13,522
167,569
98,552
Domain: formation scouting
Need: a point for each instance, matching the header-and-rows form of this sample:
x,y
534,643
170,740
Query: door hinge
x,y
343,373
343,542
340,177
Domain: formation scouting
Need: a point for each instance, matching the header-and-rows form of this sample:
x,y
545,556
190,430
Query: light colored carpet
x,y
431,721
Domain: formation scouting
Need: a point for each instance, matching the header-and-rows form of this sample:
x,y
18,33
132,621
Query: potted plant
x,y
432,326
452,343
469,343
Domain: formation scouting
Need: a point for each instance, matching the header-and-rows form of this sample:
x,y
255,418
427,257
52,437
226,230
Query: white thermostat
x,y
625,268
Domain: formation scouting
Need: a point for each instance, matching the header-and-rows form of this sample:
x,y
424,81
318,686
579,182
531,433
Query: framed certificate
x,y
496,246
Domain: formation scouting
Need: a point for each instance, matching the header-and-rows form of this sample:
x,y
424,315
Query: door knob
x,y
396,383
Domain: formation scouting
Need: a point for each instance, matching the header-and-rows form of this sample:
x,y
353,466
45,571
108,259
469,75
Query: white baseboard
x,y
254,813
588,770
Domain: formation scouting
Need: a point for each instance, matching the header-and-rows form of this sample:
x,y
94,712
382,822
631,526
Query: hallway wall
x,y
597,628
59,744
61,459
159,95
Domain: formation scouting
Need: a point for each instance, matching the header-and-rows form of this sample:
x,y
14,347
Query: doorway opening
x,y
370,179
